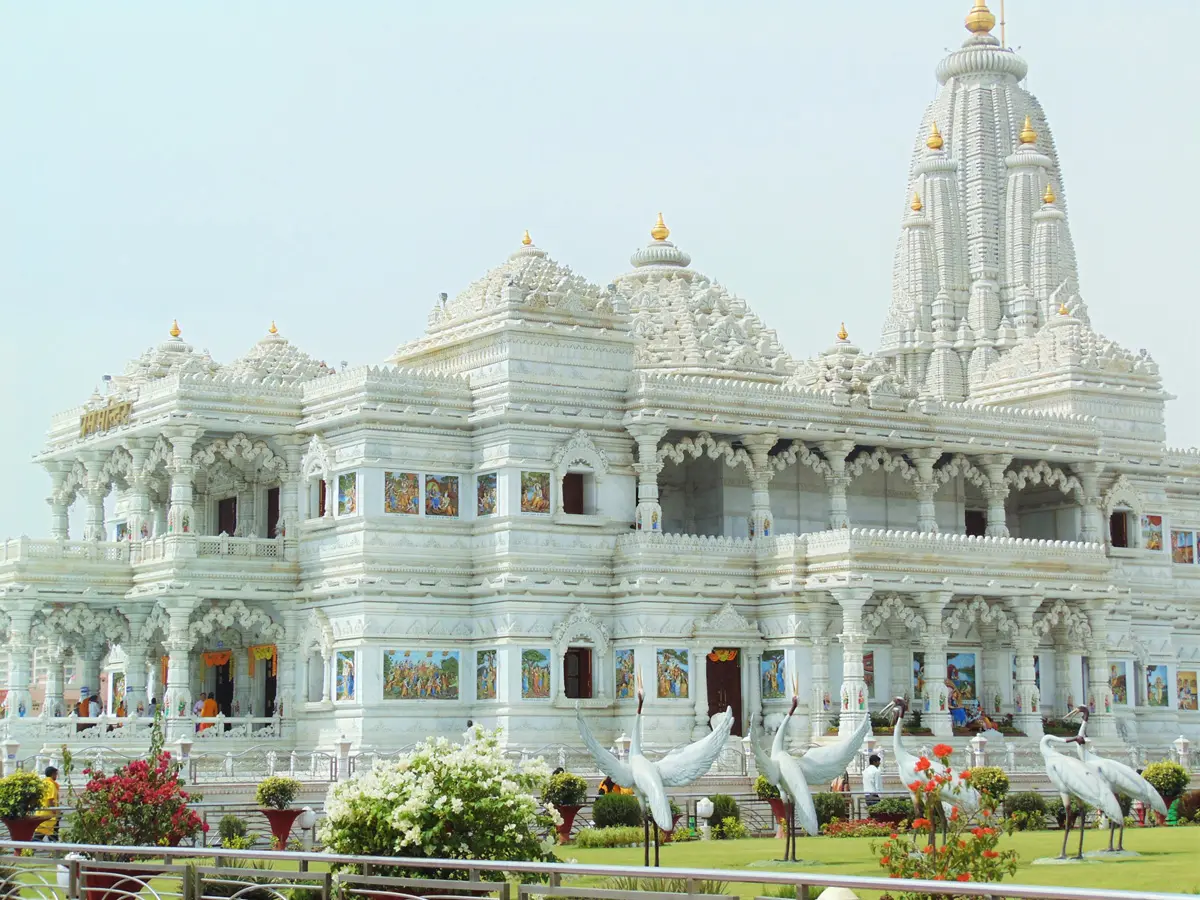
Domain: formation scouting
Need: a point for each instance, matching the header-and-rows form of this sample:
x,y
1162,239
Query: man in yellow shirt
x,y
48,830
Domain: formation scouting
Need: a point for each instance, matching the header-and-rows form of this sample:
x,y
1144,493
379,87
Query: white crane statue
x,y
794,776
956,794
649,778
1073,778
1120,778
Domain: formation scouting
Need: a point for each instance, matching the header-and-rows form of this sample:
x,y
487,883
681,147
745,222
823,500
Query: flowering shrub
x,y
443,801
764,790
858,828
1170,779
276,792
969,852
730,829
20,795
142,804
565,789
990,780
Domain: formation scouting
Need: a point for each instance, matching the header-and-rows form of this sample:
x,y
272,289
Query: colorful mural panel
x,y
672,674
485,495
346,686
420,674
1118,682
626,678
918,674
402,493
441,495
960,672
1152,532
869,672
1157,690
535,492
347,494
774,681
485,674
1183,547
535,674
1185,689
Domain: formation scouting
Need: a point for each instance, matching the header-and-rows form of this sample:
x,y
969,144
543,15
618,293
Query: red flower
x,y
965,876
990,854
884,860
894,835
942,751
989,830
920,823
930,787
926,849
985,812
954,814
914,786
923,764
977,831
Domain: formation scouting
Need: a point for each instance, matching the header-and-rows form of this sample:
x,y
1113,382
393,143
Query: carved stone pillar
x,y
1062,670
20,658
835,453
1091,521
289,497
648,515
994,673
995,467
52,703
1102,722
821,703
181,517
241,683
287,701
759,447
699,688
247,520
88,656
139,521
853,638
932,605
1027,714
177,696
901,673
926,486
96,490
135,662
752,658
59,508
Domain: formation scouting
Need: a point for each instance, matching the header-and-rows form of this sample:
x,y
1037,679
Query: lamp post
x,y
704,809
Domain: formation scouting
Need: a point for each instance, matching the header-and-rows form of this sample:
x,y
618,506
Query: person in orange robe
x,y
208,711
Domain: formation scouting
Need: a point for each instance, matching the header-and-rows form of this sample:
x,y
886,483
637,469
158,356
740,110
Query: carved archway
x,y
1075,621
1043,473
704,444
580,627
1123,494
579,448
979,610
236,613
893,607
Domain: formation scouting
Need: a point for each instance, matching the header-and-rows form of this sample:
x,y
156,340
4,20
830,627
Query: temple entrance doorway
x,y
724,670
223,689
270,683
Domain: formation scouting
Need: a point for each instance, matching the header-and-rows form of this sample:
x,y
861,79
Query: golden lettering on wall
x,y
111,416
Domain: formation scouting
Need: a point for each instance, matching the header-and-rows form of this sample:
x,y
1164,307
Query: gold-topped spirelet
x,y
526,239
980,19
1049,197
1062,310
272,329
843,334
934,141
916,202
660,231
175,332
1028,135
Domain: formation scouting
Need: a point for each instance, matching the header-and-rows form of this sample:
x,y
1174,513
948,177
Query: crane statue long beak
x,y
795,695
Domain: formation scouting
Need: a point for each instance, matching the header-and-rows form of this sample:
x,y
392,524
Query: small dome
x,y
276,360
173,356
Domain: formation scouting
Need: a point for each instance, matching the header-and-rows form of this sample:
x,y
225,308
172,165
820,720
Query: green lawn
x,y
1170,859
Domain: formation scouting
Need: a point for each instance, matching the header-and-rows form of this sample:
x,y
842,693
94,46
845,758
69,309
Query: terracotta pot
x,y
100,885
281,825
779,809
568,814
22,829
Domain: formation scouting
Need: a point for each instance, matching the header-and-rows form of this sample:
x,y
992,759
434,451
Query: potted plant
x,y
892,810
142,804
676,815
764,790
274,796
1169,779
567,793
20,799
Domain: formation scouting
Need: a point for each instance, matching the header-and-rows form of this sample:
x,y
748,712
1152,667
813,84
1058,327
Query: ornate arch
x,y
75,478
580,625
118,468
241,453
892,606
236,613
317,461
160,454
705,444
317,636
85,622
799,452
726,624
880,458
1076,622
1122,493
961,465
1043,473
979,610
157,622
579,448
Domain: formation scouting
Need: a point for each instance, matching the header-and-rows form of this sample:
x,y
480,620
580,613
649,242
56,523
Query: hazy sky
x,y
333,166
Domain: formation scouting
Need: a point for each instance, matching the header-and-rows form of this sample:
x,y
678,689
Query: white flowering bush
x,y
444,801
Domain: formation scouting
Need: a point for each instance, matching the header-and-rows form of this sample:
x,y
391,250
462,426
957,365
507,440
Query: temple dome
x,y
275,360
687,323
173,356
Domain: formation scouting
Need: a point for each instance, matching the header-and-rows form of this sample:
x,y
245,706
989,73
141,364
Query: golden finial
x,y
660,231
916,203
1062,310
526,240
843,334
934,141
175,332
272,329
1048,197
1028,135
980,19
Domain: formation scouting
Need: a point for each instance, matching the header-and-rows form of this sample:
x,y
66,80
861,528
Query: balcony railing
x,y
167,547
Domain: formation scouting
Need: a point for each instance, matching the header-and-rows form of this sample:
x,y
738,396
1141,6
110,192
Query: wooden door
x,y
273,512
227,516
223,692
577,672
724,669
